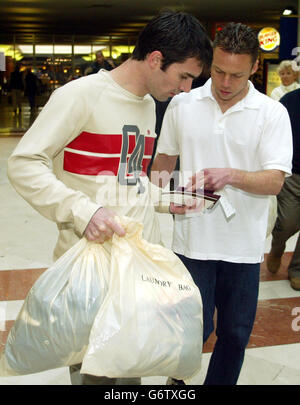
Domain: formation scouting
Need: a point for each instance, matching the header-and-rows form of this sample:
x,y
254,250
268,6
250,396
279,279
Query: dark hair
x,y
237,38
178,36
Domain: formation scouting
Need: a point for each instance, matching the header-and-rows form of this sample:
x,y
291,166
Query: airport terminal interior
x,y
27,239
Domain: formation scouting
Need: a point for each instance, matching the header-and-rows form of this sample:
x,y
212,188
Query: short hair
x,y
237,38
178,36
285,64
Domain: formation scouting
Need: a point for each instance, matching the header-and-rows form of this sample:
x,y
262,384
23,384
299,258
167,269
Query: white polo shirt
x,y
255,134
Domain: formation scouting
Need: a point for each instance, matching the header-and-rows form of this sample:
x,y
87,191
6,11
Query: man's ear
x,y
255,67
155,59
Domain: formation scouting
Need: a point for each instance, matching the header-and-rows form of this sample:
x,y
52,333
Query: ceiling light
x,y
288,11
59,49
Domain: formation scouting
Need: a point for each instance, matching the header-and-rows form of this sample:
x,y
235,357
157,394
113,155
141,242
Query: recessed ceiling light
x,y
288,11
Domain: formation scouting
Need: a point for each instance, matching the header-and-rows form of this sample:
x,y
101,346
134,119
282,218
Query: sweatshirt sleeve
x,y
30,165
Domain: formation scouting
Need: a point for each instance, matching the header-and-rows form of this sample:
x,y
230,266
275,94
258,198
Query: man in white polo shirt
x,y
236,142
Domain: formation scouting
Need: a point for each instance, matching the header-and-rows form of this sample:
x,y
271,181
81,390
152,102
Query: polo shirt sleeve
x,y
168,139
276,143
30,165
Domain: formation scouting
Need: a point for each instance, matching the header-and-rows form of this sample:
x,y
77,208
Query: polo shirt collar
x,y
251,100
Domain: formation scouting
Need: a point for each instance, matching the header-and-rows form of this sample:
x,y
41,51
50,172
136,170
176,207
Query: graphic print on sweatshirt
x,y
125,156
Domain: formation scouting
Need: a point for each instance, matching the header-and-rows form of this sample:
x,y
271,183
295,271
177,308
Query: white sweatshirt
x,y
81,153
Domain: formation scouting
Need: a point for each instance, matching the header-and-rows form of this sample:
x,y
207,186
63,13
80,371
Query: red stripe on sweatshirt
x,y
90,165
107,143
95,165
97,143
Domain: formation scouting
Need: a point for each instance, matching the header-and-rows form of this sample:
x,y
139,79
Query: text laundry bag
x,y
150,323
52,328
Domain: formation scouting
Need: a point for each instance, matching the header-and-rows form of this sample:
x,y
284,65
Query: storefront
x,y
56,62
58,59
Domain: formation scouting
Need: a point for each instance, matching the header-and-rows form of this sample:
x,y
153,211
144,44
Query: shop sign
x,y
269,39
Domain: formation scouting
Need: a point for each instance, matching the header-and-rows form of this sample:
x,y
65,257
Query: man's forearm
x,y
265,182
162,168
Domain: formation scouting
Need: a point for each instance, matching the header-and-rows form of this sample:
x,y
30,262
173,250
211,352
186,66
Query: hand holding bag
x,y
150,323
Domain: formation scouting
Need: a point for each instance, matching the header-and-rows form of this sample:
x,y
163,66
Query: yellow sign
x,y
269,39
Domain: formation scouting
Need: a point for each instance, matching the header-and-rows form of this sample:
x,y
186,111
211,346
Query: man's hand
x,y
177,209
102,226
213,179
189,207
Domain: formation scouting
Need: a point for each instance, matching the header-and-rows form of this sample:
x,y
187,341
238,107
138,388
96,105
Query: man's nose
x,y
186,85
226,80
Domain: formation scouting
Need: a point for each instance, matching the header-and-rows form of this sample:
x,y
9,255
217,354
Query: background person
x,y
99,63
288,201
237,142
31,88
288,79
71,165
16,86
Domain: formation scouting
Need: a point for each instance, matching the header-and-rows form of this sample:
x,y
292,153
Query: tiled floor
x,y
26,243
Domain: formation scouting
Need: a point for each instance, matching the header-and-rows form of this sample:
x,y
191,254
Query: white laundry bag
x,y
150,323
52,328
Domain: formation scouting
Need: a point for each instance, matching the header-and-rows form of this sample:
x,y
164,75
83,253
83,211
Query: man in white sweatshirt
x,y
85,158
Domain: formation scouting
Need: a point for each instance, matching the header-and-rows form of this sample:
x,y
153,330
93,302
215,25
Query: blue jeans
x,y
231,288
